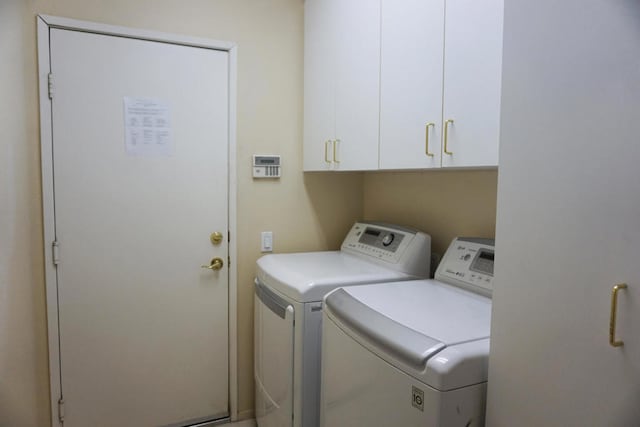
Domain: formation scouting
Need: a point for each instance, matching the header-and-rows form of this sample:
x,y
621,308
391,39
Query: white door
x,y
568,225
360,389
319,84
412,51
357,85
341,85
139,187
273,358
472,81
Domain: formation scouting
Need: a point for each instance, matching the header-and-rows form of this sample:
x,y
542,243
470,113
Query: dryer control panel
x,y
468,263
401,246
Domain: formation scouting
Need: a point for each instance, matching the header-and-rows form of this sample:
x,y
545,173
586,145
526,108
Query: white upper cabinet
x,y
402,84
411,83
472,82
341,84
440,83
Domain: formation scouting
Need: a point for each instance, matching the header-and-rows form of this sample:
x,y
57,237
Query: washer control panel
x,y
383,241
468,263
379,238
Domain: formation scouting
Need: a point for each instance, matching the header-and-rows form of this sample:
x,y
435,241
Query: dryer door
x,y
360,389
273,357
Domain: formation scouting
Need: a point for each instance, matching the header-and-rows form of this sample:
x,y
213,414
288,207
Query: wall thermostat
x,y
267,166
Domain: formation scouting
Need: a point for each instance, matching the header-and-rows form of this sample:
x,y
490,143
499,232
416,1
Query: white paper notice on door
x,y
147,125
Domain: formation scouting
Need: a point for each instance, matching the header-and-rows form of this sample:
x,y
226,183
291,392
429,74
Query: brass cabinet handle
x,y
446,136
335,145
326,151
216,264
614,309
426,143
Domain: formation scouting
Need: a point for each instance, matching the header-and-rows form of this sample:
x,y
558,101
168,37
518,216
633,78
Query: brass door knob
x,y
216,237
216,264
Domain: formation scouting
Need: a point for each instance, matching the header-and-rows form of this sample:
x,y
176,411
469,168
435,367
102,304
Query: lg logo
x,y
417,398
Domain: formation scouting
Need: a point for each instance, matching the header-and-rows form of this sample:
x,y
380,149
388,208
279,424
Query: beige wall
x,y
309,212
23,347
444,204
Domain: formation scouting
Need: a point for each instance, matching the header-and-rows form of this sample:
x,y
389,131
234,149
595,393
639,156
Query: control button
x,y
466,257
388,239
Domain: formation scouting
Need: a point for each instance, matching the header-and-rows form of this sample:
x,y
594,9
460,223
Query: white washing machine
x,y
411,353
288,312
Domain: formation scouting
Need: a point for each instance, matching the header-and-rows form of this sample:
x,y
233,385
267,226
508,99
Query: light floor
x,y
244,423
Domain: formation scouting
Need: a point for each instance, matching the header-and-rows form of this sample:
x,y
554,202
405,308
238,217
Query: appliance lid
x,y
309,276
411,321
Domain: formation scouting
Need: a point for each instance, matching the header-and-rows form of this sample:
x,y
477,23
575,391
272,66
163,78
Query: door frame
x,y
44,24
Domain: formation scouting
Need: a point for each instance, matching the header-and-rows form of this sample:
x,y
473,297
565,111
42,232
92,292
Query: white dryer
x,y
288,312
412,353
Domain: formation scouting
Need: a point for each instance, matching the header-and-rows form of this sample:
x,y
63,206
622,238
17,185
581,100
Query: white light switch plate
x,y
266,241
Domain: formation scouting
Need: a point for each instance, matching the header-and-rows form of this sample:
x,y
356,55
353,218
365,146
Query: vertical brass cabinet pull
x,y
326,151
335,149
426,142
446,136
614,309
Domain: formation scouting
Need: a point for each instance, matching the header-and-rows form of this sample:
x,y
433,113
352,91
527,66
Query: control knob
x,y
388,239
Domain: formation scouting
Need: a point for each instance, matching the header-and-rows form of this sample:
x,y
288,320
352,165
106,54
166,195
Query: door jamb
x,y
44,24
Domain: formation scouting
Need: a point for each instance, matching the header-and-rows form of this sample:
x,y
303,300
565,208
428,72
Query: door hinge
x,y
228,261
55,252
228,236
61,410
50,78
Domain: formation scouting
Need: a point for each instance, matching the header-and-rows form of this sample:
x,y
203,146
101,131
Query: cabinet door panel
x,y
357,74
412,43
319,59
472,69
568,214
